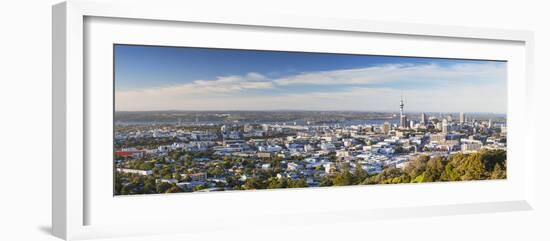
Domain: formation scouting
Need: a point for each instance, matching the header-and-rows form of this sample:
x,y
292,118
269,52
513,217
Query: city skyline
x,y
197,79
228,120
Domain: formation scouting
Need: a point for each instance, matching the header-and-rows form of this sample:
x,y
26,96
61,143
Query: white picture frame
x,y
73,111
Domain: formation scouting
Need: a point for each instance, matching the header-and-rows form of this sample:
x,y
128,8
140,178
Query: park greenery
x,y
481,165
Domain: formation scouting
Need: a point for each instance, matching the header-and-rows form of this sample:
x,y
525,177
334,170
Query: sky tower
x,y
402,118
401,106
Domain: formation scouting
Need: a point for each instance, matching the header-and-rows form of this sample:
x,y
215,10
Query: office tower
x,y
445,126
424,119
386,128
404,123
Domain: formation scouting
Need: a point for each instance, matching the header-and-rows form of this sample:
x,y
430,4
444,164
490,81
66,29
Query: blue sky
x,y
176,78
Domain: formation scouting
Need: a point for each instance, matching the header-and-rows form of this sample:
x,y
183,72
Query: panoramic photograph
x,y
190,119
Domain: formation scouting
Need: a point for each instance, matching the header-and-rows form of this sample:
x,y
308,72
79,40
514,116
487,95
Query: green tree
x,y
417,166
148,188
405,178
162,187
344,178
118,184
175,155
450,173
471,167
386,176
359,174
216,171
227,163
187,158
173,189
434,169
326,182
498,172
145,166
418,179
491,158
252,183
126,189
297,183
198,188
273,183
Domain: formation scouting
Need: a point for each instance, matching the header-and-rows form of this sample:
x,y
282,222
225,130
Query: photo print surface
x,y
192,119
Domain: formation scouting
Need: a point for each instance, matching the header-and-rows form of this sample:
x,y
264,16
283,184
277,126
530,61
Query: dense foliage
x,y
486,164
482,165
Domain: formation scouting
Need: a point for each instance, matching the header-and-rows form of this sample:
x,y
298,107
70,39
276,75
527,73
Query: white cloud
x,y
220,85
460,87
399,72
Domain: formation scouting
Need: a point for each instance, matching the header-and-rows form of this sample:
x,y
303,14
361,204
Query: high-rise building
x,y
424,119
404,123
462,118
401,106
386,128
444,126
402,118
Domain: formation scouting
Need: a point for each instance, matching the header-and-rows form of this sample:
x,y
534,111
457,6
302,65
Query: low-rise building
x,y
135,171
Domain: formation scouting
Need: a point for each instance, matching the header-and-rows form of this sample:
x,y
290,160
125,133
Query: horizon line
x,y
290,110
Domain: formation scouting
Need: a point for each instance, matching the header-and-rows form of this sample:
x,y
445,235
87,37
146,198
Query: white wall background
x,y
25,118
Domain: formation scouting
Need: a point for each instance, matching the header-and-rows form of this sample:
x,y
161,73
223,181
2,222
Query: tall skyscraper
x,y
444,126
462,118
401,106
404,123
424,119
386,128
402,118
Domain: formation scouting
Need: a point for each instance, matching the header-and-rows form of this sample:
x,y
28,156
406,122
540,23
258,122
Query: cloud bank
x,y
469,87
